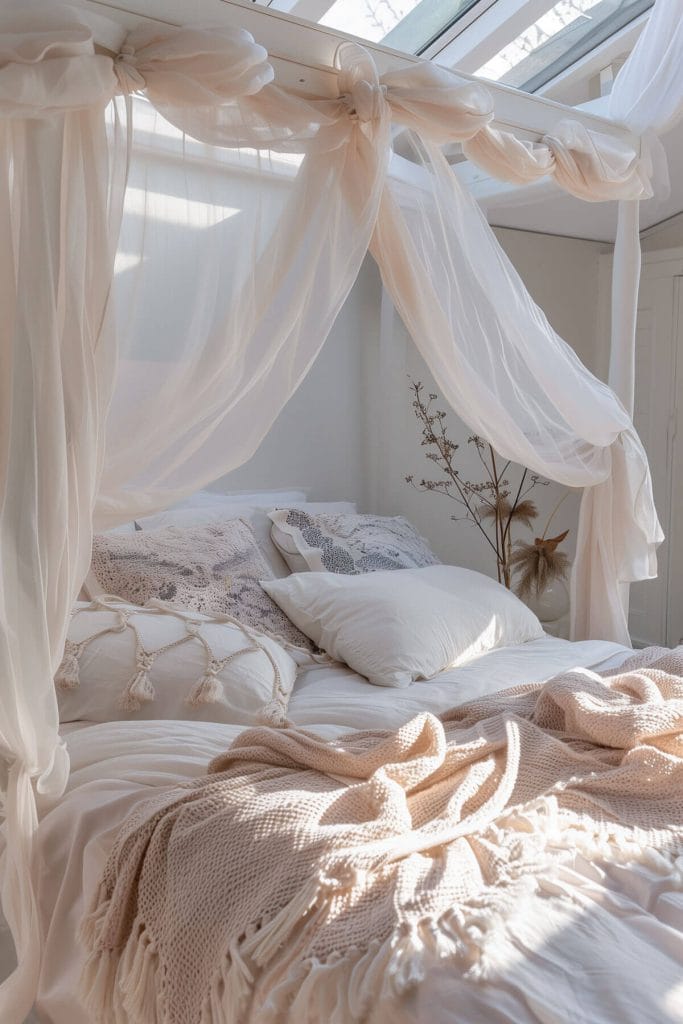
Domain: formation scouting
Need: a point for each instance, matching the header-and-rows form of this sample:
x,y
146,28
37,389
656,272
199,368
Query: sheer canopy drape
x,y
92,423
59,195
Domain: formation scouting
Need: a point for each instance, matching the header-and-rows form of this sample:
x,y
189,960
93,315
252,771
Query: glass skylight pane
x,y
407,25
369,19
564,34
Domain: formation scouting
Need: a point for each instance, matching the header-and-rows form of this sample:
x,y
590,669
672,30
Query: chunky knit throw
x,y
304,880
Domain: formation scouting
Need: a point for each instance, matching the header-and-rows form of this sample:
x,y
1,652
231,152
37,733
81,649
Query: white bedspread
x,y
611,950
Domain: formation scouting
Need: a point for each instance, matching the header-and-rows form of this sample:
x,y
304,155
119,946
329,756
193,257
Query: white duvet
x,y
607,947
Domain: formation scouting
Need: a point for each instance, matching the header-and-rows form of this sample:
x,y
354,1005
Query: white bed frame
x,y
303,54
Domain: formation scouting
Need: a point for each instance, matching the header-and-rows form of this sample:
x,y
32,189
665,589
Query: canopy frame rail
x,y
286,38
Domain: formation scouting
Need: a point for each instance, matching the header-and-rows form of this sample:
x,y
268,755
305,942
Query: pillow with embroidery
x,y
121,661
214,568
348,542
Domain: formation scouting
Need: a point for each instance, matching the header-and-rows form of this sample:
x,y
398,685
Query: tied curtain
x,y
104,419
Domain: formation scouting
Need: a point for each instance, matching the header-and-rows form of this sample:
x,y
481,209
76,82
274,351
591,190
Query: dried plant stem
x,y
480,500
552,514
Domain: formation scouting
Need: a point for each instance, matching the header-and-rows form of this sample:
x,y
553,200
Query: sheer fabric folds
x,y
648,91
498,362
647,97
57,351
270,231
589,165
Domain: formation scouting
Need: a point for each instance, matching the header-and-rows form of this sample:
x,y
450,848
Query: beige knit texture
x,y
306,880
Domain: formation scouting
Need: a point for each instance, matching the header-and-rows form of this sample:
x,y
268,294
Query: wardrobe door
x,y
675,589
655,608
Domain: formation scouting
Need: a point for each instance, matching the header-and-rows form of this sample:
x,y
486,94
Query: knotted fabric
x,y
589,165
191,67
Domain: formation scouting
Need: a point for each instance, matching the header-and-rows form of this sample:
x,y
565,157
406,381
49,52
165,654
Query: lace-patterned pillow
x,y
347,542
215,569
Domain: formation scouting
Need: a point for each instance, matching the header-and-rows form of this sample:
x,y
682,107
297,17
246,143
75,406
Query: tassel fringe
x,y
264,944
139,690
127,987
274,713
67,677
209,689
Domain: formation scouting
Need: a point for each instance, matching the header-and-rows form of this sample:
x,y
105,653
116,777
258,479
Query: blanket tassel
x,y
264,944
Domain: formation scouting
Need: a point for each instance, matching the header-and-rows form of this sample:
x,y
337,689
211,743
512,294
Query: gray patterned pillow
x,y
214,569
347,542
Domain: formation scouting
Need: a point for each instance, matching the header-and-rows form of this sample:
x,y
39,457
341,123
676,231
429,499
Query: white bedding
x,y
580,959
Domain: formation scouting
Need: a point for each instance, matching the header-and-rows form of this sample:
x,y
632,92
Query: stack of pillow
x,y
224,624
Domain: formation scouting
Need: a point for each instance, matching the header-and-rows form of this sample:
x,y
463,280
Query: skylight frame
x,y
486,26
458,23
594,38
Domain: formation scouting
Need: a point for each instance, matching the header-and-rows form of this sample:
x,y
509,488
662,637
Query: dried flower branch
x,y
538,564
488,504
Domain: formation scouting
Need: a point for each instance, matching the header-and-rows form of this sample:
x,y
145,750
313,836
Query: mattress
x,y
576,957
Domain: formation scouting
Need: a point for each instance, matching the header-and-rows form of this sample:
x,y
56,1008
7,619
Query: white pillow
x,y
405,624
126,662
261,499
330,541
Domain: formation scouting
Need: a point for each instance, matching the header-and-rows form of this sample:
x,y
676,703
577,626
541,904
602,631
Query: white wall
x,y
319,439
667,235
562,276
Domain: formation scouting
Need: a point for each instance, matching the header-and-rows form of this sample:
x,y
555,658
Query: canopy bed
x,y
104,421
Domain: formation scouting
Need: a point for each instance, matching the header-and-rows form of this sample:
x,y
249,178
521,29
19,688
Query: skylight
x,y
561,36
545,36
408,25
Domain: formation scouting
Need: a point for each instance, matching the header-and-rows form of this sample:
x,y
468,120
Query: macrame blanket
x,y
305,880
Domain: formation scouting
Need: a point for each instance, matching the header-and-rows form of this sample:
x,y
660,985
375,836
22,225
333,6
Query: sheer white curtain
x,y
240,349
647,97
62,182
647,94
200,406
57,354
193,396
589,165
515,382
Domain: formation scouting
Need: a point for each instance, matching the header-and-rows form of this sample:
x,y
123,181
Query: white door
x,y
675,610
656,609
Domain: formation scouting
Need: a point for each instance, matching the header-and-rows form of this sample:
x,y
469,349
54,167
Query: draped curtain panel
x,y
116,420
57,352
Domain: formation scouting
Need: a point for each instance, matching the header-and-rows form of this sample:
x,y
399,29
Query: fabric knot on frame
x,y
365,101
129,77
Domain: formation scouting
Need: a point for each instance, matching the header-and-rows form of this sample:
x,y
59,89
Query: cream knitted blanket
x,y
303,879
